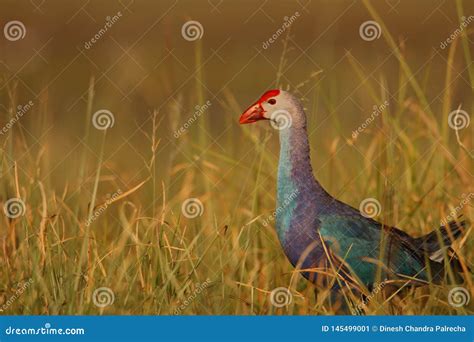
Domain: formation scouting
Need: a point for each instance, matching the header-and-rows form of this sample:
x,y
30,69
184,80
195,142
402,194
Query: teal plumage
x,y
316,230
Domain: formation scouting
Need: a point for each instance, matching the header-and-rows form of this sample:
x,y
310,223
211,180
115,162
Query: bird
x,y
319,233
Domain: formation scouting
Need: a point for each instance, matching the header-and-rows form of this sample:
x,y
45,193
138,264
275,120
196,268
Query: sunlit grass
x,y
154,259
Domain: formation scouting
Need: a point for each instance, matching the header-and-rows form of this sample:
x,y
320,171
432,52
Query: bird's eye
x,y
272,101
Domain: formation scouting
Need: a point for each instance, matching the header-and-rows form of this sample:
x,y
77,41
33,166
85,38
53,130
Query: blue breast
x,y
297,201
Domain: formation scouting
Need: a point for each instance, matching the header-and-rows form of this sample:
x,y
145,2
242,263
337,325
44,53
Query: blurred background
x,y
174,96
142,63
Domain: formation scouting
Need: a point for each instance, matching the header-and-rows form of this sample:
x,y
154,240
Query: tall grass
x,y
155,260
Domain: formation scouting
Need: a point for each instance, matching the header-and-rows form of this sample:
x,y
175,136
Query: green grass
x,y
226,261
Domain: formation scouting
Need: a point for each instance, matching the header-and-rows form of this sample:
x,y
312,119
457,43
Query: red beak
x,y
253,114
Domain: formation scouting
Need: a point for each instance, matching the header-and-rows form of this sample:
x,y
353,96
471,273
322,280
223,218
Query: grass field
x,y
170,210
